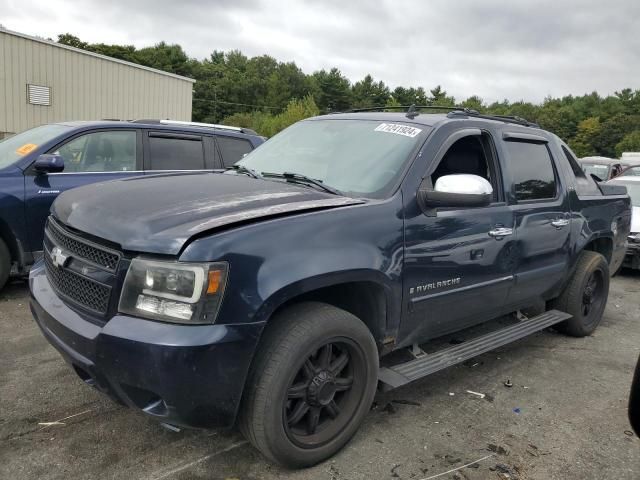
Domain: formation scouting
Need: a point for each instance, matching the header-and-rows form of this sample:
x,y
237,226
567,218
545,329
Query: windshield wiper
x,y
300,178
246,170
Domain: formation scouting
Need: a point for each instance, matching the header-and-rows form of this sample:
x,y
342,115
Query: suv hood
x,y
160,213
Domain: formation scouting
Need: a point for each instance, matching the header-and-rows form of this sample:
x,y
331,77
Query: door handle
x,y
560,222
500,232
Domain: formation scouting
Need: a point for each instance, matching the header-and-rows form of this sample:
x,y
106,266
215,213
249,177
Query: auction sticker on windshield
x,y
26,148
398,129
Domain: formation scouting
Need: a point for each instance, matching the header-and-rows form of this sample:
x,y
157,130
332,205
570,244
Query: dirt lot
x,y
564,417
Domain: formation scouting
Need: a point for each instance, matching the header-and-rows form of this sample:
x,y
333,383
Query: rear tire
x,y
585,295
312,382
5,263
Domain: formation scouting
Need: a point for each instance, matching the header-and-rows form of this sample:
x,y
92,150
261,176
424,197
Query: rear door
x,y
89,157
542,215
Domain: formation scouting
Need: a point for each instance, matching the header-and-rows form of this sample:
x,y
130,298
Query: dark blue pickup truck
x,y
37,165
270,296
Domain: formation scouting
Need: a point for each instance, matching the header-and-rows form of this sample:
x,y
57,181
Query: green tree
x,y
170,58
582,143
612,131
368,93
474,103
72,41
630,143
333,91
269,124
440,97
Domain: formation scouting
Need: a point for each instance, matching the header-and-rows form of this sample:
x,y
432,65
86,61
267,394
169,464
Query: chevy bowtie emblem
x,y
58,257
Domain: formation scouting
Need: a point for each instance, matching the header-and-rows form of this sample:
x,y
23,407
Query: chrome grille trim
x,y
98,255
76,288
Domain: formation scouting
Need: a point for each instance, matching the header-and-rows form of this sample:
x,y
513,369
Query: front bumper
x,y
632,257
187,375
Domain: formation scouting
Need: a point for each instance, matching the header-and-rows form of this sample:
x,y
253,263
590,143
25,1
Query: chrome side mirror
x,y
458,190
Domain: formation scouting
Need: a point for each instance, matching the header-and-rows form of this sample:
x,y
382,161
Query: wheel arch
x,y
364,294
601,244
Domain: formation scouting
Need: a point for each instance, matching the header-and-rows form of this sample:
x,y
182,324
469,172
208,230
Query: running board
x,y
398,375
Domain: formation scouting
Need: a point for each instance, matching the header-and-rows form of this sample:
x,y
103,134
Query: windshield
x,y
357,157
631,172
600,171
16,147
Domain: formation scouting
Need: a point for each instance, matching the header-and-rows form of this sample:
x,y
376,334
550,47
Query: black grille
x,y
87,293
99,256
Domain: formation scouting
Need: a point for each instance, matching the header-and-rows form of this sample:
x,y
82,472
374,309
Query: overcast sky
x,y
496,49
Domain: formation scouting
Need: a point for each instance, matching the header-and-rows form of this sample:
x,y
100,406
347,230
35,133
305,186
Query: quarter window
x,y
100,152
174,153
232,149
531,169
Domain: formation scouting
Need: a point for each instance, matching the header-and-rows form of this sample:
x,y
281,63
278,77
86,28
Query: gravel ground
x,y
564,418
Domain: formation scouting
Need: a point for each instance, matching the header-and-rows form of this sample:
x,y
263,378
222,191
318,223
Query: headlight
x,y
634,237
173,291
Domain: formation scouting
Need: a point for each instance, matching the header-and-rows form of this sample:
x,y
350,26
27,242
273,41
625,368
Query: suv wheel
x,y
5,263
585,295
312,382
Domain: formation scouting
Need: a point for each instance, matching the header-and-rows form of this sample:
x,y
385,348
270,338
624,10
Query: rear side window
x,y
531,169
175,153
232,149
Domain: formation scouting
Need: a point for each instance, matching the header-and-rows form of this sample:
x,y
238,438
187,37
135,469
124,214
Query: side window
x,y
100,152
175,152
474,155
532,172
232,149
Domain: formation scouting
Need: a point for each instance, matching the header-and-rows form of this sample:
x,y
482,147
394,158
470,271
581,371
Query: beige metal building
x,y
42,82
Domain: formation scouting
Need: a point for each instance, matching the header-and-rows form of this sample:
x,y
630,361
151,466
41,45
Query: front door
x,y
458,262
88,158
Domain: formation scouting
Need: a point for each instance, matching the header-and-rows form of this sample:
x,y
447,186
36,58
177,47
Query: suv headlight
x,y
174,291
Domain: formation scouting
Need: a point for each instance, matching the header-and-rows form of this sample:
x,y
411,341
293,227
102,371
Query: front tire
x,y
312,382
5,263
585,295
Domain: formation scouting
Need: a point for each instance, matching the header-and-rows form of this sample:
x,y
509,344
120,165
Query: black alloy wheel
x,y
324,393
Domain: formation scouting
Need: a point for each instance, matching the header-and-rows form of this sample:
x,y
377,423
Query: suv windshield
x,y
356,157
16,147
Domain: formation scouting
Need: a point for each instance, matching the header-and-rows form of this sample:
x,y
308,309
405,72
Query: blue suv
x,y
38,164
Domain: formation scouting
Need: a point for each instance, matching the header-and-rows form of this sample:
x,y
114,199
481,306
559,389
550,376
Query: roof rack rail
x,y
414,110
506,118
194,124
409,108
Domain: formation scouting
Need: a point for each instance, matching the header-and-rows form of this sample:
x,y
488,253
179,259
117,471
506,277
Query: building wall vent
x,y
38,95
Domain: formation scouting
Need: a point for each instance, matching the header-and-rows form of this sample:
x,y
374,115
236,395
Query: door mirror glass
x,y
457,190
49,163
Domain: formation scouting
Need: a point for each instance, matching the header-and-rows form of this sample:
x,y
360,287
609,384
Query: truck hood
x,y
160,213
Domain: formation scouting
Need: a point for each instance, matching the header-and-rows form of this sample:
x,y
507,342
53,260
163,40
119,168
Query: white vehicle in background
x,y
630,158
604,168
632,182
